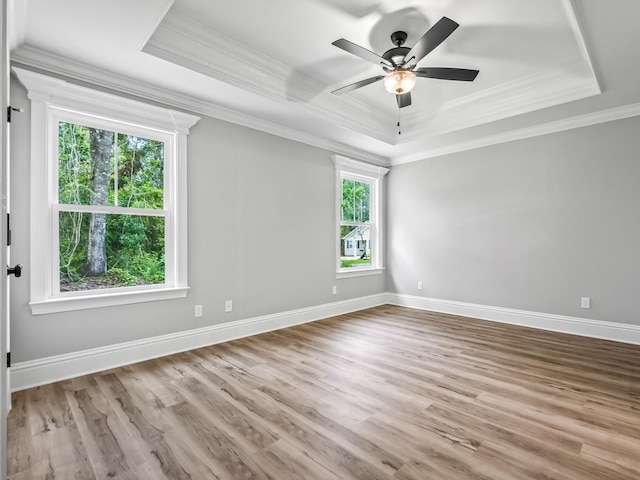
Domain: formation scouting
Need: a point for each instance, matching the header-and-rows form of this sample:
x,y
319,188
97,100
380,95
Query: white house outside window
x,y
108,198
359,220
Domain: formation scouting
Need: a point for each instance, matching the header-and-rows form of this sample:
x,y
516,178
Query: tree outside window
x,y
108,198
101,169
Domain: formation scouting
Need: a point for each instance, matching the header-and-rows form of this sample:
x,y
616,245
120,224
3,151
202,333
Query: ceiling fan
x,y
400,62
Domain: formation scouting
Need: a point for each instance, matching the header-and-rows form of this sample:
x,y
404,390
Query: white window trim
x,y
347,167
49,96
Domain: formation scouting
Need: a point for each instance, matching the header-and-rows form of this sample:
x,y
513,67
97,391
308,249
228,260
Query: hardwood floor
x,y
386,393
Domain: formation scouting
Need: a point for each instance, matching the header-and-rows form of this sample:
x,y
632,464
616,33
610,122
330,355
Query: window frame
x,y
54,100
57,115
346,168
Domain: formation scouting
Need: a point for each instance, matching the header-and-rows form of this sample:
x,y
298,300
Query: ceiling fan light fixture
x,y
399,82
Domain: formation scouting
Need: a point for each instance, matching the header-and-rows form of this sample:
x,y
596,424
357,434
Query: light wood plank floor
x,y
386,393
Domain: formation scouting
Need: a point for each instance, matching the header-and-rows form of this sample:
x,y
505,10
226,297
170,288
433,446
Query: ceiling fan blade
x,y
404,100
461,74
361,83
361,52
430,40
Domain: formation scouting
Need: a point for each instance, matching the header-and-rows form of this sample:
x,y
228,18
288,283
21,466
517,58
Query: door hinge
x,y
8,359
10,110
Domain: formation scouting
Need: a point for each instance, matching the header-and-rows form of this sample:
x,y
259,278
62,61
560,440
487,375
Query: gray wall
x,y
533,224
261,233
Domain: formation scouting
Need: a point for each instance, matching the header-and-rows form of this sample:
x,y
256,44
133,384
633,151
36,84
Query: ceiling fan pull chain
x,y
399,113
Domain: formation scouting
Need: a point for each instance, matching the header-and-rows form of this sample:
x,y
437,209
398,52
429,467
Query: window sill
x,y
110,299
359,272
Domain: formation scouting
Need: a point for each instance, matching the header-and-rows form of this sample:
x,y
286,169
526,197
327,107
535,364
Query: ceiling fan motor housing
x,y
398,54
395,56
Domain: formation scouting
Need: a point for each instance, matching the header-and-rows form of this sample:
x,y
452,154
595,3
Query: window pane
x,y
355,246
140,172
93,170
85,157
100,251
355,201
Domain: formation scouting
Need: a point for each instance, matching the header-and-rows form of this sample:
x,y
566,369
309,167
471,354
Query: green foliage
x,y
355,201
134,244
354,262
149,267
74,167
121,277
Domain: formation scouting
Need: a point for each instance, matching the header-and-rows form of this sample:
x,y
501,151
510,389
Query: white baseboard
x,y
619,332
61,367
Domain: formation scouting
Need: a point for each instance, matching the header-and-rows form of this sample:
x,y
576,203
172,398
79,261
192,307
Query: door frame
x,y
5,399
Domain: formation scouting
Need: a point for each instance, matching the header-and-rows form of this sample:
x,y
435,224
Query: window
x,y
109,219
108,199
359,232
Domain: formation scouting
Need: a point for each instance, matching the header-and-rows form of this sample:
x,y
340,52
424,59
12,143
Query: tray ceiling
x,y
271,65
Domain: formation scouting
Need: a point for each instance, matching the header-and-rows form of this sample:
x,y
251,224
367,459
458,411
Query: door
x,y
4,249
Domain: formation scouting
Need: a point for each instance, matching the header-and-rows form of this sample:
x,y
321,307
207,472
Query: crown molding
x,y
153,20
66,95
509,99
578,121
186,42
32,58
573,14
359,167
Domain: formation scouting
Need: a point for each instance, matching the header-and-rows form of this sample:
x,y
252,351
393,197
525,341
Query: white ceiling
x,y
544,66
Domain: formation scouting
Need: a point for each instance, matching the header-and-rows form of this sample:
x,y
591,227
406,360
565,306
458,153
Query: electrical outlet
x,y
198,311
228,306
585,302
334,289
419,285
